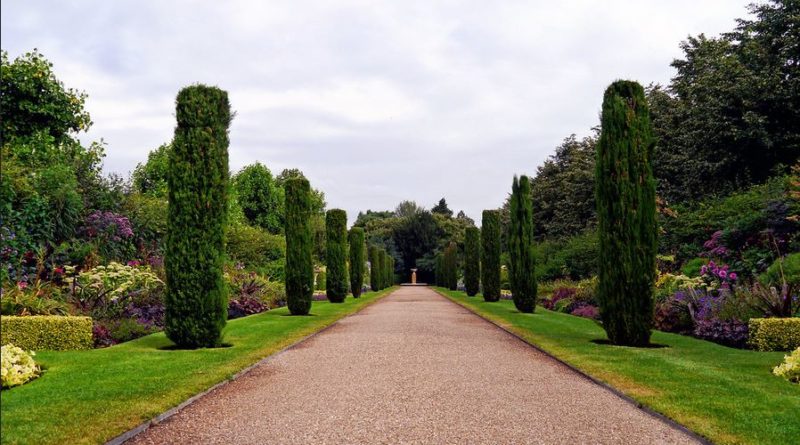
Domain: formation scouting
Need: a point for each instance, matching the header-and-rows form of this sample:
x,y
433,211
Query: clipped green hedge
x,y
47,332
774,334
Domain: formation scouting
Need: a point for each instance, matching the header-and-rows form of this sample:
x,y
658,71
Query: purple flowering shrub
x,y
587,311
245,305
111,232
560,293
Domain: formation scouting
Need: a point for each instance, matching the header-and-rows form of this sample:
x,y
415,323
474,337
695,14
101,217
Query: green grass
x,y
93,396
727,395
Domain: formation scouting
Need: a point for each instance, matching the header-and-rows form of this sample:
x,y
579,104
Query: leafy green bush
x,y
774,334
784,268
51,332
626,210
254,247
196,297
790,368
260,198
17,366
39,298
692,267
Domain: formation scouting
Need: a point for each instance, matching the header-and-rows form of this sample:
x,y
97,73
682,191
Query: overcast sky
x,y
376,101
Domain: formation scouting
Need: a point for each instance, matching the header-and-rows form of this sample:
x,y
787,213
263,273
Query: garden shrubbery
x,y
17,366
775,334
47,332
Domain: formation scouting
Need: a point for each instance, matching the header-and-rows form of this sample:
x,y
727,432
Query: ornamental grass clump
x,y
520,245
790,368
337,282
626,211
299,245
196,293
17,366
356,241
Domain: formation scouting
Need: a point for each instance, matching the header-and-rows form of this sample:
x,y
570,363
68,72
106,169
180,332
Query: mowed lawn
x,y
93,396
727,395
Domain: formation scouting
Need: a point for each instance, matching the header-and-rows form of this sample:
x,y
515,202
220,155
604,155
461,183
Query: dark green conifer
x,y
520,246
356,239
626,210
374,270
196,300
299,265
451,266
472,260
337,282
490,255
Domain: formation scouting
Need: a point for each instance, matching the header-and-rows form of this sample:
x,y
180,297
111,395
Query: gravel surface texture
x,y
412,368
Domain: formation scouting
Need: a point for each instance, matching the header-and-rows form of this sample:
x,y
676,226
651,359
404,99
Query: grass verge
x,y
727,395
93,396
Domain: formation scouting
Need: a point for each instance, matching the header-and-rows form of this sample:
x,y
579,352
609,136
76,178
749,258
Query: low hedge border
x,y
47,332
774,334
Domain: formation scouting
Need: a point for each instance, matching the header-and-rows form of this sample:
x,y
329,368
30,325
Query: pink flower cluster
x,y
714,246
714,271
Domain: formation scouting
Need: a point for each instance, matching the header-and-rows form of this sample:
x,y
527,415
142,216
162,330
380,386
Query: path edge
x,y
146,425
646,409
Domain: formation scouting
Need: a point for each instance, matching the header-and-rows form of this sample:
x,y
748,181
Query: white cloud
x,y
376,101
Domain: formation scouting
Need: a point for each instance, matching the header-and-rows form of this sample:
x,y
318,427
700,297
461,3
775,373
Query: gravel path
x,y
412,368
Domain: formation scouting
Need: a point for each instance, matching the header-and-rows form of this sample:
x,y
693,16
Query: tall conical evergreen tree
x,y
490,255
451,266
299,265
374,270
439,271
626,210
472,260
356,241
520,246
337,282
381,269
196,295
389,270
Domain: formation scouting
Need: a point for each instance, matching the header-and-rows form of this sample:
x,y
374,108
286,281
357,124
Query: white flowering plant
x,y
17,366
790,368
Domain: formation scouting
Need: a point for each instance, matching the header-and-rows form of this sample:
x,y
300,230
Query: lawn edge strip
x,y
166,415
504,326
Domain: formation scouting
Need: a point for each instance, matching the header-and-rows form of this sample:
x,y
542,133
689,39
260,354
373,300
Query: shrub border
x,y
61,332
763,333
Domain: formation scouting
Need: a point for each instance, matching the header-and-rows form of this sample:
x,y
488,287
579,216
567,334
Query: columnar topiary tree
x,y
472,260
374,271
626,211
381,269
356,241
520,246
337,282
451,266
299,265
490,255
196,296
387,269
439,269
